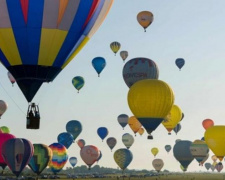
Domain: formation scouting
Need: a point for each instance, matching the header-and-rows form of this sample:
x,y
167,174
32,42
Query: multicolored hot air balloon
x,y
39,38
145,18
3,106
207,123
17,154
74,127
4,129
219,166
177,128
150,101
127,140
102,132
40,159
158,164
66,139
89,154
138,69
99,64
134,124
59,157
81,143
73,161
124,55
168,148
111,142
180,62
155,151
123,158
78,82
141,131
11,78
115,47
123,120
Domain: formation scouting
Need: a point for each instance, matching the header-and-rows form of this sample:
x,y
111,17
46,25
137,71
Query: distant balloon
x,y
204,159
138,69
123,158
182,153
219,166
73,161
81,143
99,64
115,47
158,164
207,166
102,132
74,127
207,123
134,124
59,157
78,82
100,156
168,148
123,120
11,78
182,116
124,55
3,107
127,140
177,128
145,18
214,158
41,158
213,167
66,139
89,154
4,129
17,154
180,62
141,131
155,151
111,141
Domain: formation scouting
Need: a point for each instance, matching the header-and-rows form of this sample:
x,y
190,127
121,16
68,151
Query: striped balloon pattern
x,y
115,47
40,159
78,82
59,157
43,36
123,120
123,158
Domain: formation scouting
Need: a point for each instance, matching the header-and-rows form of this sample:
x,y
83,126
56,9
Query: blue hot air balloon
x,y
73,161
65,139
177,128
99,64
123,158
17,154
74,127
102,132
180,62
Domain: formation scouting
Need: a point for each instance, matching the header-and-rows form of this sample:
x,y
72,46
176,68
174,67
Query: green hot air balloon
x,y
78,82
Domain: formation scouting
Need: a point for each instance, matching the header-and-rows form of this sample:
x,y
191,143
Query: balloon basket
x,y
150,137
33,117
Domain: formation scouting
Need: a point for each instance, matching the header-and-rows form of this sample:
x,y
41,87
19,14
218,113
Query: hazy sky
x,y
193,30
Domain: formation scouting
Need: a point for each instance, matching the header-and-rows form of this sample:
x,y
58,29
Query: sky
x,y
189,29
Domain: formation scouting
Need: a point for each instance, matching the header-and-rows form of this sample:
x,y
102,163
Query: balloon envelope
x,y
81,143
4,129
115,47
99,64
207,123
78,82
3,107
123,158
74,127
219,166
155,151
145,18
11,78
73,161
127,140
123,120
134,124
102,132
141,131
158,164
168,148
207,166
65,138
124,55
177,128
111,141
180,62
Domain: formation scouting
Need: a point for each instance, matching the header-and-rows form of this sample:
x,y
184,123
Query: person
x,y
31,114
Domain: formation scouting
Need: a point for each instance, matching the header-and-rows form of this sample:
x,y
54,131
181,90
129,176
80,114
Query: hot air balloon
x,y
123,120
111,142
127,140
102,132
180,62
207,123
40,38
59,157
3,138
177,140
167,148
40,159
207,166
134,124
100,156
17,154
150,101
123,158
11,78
182,153
172,119
124,55
3,107
4,129
214,158
182,116
155,151
214,138
78,82
138,69
177,128
204,159
73,161
158,164
141,131
89,154
115,47
81,143
199,150
65,138
213,167
219,166
99,64
145,18
74,127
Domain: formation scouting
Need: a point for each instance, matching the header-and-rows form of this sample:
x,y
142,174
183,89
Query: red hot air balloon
x,y
207,123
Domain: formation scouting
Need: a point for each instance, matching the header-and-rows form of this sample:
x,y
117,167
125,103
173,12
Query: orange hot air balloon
x,y
141,131
134,124
207,123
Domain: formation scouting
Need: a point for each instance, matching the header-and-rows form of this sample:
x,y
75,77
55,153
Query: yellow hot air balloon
x,y
214,138
145,18
214,158
155,151
172,119
141,131
150,100
134,124
115,46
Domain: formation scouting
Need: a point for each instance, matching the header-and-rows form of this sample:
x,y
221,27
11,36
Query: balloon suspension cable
x,y
12,99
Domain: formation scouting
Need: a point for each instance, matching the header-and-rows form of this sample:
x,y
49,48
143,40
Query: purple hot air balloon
x,y
17,153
